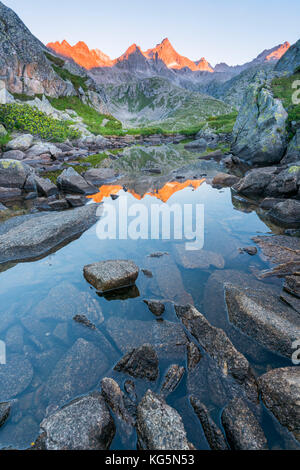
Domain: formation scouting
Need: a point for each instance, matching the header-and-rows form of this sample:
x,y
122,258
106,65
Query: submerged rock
x,y
159,427
84,424
280,389
140,363
219,347
213,433
77,372
168,339
242,429
264,318
156,307
200,259
34,235
112,274
15,376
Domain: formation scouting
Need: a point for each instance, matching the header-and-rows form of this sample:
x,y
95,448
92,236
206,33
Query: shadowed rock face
x,y
23,62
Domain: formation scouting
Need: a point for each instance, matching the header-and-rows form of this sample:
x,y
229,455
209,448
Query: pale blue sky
x,y
232,31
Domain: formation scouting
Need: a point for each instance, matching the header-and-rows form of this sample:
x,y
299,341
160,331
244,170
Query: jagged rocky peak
x,y
265,57
24,68
167,54
203,65
133,59
81,54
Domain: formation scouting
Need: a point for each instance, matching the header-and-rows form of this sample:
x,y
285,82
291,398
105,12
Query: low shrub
x,y
22,117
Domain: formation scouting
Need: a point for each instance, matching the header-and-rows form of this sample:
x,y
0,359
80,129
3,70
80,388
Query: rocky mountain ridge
x,y
163,52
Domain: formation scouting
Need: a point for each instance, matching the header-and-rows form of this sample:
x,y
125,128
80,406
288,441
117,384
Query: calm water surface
x,y
40,298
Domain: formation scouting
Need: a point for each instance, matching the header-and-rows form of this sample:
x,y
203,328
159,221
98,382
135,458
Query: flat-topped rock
x,y
112,274
34,235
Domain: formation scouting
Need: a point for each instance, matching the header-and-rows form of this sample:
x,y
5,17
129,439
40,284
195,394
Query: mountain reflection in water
x,y
163,194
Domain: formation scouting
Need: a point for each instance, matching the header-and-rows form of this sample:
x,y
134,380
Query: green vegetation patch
x,y
4,139
23,97
283,89
76,80
294,169
22,117
55,60
224,123
90,116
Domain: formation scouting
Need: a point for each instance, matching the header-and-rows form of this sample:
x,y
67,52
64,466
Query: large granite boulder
x,y
22,142
280,390
84,424
259,134
13,173
159,427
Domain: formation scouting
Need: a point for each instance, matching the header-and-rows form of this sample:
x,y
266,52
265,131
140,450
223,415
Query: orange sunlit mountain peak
x,y
167,54
279,52
81,54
